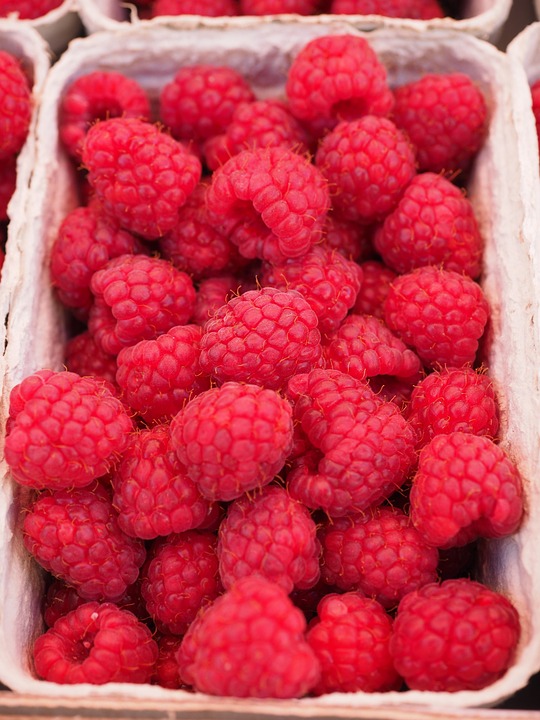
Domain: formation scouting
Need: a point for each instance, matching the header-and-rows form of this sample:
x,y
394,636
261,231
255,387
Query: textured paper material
x,y
502,190
58,26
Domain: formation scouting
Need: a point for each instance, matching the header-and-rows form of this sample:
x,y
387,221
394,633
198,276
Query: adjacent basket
x,y
501,190
58,26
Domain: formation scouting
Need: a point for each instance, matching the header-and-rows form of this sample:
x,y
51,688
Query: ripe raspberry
x,y
140,175
465,487
274,7
441,313
376,280
8,181
98,95
458,635
445,117
263,336
369,162
454,399
97,644
535,98
152,492
327,280
271,535
278,187
337,77
212,293
233,438
250,643
138,298
64,431
166,670
28,9
433,224
74,535
208,8
380,553
351,640
412,9
15,105
347,237
180,577
82,355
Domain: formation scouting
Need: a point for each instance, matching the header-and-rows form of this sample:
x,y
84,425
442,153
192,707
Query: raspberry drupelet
x,y
273,7
208,8
212,293
15,105
82,355
411,9
28,9
376,280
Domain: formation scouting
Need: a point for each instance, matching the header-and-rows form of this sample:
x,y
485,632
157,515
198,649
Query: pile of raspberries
x,y
266,466
27,9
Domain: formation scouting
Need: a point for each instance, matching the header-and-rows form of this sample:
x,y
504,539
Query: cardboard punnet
x,y
58,26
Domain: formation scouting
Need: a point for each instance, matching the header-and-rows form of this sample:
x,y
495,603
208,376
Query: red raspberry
x,y
98,95
271,535
208,8
465,487
28,9
535,97
97,644
250,643
369,162
74,535
140,175
347,237
337,77
263,336
441,313
152,492
138,298
212,293
445,117
85,243
454,399
64,430
278,187
82,355
233,438
458,635
167,671
413,9
433,224
380,553
181,576
376,280
15,105
328,281
8,181
275,7
351,639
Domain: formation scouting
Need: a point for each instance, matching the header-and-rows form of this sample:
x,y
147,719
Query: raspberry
x,y
250,643
138,298
233,438
351,640
278,187
263,336
8,181
140,175
328,281
97,644
274,7
74,535
180,577
212,293
535,98
347,237
15,105
465,487
380,553
454,399
65,430
271,535
376,280
369,162
458,635
440,313
433,224
337,77
445,117
86,241
166,671
28,9
208,8
413,9
82,355
98,95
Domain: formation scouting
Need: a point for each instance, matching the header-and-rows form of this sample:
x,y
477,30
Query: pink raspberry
x,y
413,9
97,643
15,105
433,224
8,181
277,188
369,162
445,117
263,336
535,98
442,314
180,577
347,237
74,535
141,175
28,9
458,635
138,298
64,430
271,535
376,280
233,439
166,670
275,7
98,95
212,293
233,647
465,487
351,639
208,8
82,355
337,77
380,553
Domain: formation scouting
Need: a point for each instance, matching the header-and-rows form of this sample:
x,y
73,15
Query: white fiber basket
x,y
58,26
